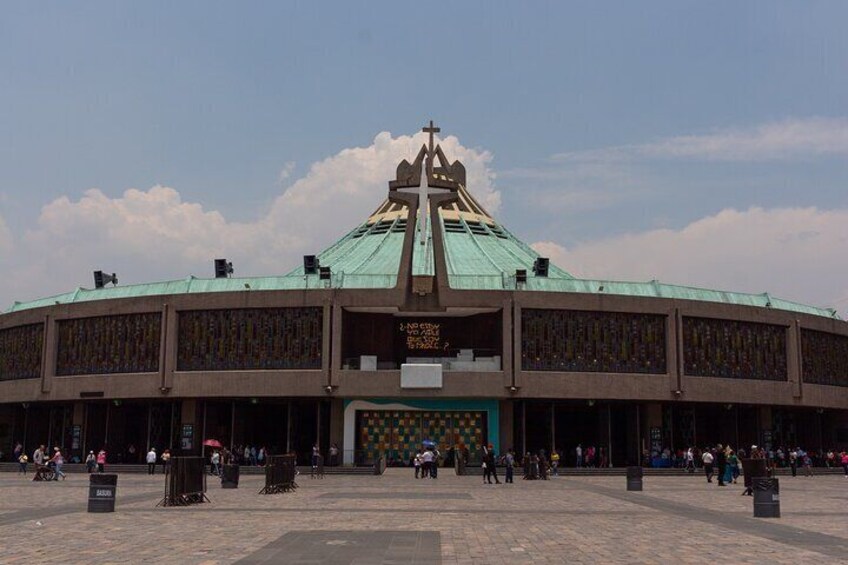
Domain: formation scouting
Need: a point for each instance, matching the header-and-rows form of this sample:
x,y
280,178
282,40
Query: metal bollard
x,y
766,497
634,478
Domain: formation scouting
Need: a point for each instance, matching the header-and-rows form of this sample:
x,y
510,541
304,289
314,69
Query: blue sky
x,y
577,110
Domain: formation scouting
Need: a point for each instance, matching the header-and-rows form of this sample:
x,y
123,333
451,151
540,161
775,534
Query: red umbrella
x,y
212,443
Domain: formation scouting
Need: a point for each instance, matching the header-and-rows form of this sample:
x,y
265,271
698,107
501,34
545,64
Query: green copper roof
x,y
479,257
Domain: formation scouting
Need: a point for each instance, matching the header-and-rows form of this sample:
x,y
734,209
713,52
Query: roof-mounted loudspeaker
x,y
310,264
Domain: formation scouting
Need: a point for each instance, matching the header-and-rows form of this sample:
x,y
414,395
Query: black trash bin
x,y
766,497
229,476
101,492
634,478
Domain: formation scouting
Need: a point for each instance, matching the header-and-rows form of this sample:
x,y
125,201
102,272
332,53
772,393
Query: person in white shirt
x,y
707,458
151,461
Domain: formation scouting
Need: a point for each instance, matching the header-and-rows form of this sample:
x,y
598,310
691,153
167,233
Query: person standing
x,y
844,459
101,460
707,459
215,462
166,461
334,455
151,461
416,462
579,454
22,461
793,462
721,462
554,463
90,462
509,466
426,463
38,456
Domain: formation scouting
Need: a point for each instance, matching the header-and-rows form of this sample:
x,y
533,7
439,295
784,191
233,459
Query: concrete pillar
x,y
651,418
506,424
189,413
793,358
168,353
337,424
48,356
506,348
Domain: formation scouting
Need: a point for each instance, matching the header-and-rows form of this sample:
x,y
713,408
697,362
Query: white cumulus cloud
x,y
794,253
149,235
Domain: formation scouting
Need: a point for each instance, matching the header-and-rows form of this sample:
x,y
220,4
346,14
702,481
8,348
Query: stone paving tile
x,y
581,520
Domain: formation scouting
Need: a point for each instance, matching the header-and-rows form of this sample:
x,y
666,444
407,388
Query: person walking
x,y
807,463
844,459
490,465
721,462
707,459
101,460
58,460
733,466
151,461
690,460
509,466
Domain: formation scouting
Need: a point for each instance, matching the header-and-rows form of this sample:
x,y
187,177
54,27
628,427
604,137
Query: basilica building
x,y
429,320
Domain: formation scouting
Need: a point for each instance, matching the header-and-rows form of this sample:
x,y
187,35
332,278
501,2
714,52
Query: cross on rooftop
x,y
431,129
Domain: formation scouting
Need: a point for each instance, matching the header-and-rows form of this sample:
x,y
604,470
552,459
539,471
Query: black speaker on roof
x,y
521,275
324,273
101,279
540,266
310,264
223,268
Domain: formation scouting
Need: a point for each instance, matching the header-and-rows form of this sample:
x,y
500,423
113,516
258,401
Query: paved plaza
x,y
397,519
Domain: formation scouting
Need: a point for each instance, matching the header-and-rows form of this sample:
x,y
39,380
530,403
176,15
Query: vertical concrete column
x,y
337,424
78,419
507,425
765,424
336,346
327,348
793,358
189,415
674,349
168,348
48,354
518,374
651,418
506,348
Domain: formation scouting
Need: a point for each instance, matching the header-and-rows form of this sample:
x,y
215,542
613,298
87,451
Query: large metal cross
x,y
431,155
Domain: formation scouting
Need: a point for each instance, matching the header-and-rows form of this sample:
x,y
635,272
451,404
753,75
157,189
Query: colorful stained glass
x,y
109,344
253,338
20,352
734,349
596,342
825,358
